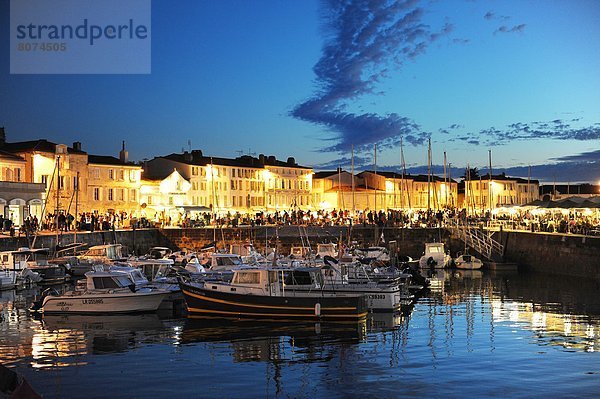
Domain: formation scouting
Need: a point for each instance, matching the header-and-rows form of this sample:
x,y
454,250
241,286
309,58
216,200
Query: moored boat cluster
x,y
323,284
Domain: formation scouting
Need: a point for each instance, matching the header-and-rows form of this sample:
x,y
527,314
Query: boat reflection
x,y
66,340
270,340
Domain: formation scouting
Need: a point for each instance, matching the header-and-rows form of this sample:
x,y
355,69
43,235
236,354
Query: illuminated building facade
x,y
483,193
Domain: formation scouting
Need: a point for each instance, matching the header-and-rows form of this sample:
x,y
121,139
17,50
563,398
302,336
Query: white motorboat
x,y
104,292
98,254
468,262
8,279
435,256
32,264
381,296
329,249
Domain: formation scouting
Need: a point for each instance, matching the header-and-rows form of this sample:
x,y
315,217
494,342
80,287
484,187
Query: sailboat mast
x,y
445,181
490,185
76,206
352,172
57,196
375,167
429,178
404,183
212,179
528,184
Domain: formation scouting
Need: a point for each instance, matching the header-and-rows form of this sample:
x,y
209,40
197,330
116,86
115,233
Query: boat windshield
x,y
113,252
111,282
228,261
436,250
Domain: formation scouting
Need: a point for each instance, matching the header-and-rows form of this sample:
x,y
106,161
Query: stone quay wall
x,y
573,255
541,252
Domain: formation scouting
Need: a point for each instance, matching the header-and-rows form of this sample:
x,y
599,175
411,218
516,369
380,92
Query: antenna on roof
x,y
240,152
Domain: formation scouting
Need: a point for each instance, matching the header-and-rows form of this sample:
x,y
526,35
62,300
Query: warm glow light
x,y
389,186
211,171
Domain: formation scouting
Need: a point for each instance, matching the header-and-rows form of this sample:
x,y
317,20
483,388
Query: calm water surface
x,y
474,335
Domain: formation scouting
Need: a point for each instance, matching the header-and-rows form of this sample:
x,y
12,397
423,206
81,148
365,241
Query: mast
x,y
352,171
339,187
429,178
528,184
57,196
490,183
404,184
76,206
375,166
445,181
212,179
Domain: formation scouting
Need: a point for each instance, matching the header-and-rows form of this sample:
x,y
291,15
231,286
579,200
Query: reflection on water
x,y
468,320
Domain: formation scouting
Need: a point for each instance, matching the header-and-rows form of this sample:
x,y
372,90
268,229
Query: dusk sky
x,y
311,79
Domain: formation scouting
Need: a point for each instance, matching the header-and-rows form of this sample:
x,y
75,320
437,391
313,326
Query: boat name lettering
x,y
63,304
92,301
376,296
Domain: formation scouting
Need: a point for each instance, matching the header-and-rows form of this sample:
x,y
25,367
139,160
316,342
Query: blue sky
x,y
310,79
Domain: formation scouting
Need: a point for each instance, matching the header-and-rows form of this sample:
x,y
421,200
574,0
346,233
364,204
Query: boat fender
x,y
318,309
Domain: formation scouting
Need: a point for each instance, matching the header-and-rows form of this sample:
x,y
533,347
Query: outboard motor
x,y
431,262
36,306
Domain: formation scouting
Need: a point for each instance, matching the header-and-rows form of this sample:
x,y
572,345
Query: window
x,y
247,278
75,183
149,200
133,195
121,175
121,194
110,194
111,174
194,171
132,175
96,194
170,200
45,179
61,182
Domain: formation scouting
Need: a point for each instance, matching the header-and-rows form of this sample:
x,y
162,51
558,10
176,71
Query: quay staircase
x,y
478,239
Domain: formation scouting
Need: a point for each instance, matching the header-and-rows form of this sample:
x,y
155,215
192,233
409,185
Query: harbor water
x,y
474,334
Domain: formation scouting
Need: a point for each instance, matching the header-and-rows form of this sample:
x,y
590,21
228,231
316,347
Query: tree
x,y
471,173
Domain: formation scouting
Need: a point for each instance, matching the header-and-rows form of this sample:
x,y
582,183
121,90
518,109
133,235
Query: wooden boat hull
x,y
204,301
104,303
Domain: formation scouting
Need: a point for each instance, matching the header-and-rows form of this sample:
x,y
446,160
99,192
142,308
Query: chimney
x,y
187,157
2,136
196,155
261,158
291,161
77,145
124,154
271,159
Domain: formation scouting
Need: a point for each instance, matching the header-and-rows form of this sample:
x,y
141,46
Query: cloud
x,y
489,15
584,157
360,162
363,40
557,129
515,29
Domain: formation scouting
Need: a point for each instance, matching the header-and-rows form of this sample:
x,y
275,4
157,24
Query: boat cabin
x,y
299,252
327,250
158,253
251,282
103,253
221,262
434,248
24,258
100,280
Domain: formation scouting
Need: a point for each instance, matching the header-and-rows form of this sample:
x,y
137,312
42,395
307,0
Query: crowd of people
x,y
587,223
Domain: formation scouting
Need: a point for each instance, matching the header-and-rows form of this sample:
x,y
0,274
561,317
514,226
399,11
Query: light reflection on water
x,y
540,330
